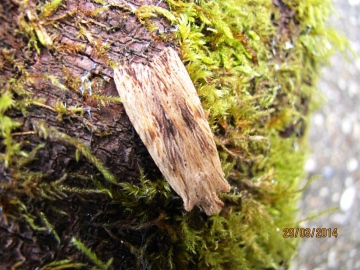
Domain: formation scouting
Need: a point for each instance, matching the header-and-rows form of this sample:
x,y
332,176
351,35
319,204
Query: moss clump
x,y
255,65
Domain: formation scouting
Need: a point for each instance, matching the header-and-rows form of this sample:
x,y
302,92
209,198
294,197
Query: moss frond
x,y
92,256
53,134
63,264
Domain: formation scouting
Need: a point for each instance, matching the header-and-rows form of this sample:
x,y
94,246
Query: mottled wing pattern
x,y
165,110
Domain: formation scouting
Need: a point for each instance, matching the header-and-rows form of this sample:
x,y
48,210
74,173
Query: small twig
x,y
43,105
23,133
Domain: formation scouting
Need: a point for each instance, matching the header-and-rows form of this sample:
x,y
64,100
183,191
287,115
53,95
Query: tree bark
x,y
78,189
68,78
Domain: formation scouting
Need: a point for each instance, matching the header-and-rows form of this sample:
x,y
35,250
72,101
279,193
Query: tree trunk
x,y
72,126
78,189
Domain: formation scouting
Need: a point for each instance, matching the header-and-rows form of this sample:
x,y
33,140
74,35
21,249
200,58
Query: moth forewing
x,y
165,110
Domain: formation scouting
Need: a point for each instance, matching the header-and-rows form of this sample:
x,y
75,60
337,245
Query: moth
x,y
165,110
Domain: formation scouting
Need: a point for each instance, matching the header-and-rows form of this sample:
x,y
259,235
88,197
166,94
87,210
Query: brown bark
x,y
78,43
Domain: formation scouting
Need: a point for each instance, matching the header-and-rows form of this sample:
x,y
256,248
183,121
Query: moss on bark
x,y
78,188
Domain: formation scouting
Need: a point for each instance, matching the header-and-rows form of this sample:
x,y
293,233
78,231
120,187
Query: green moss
x,y
257,81
92,256
256,86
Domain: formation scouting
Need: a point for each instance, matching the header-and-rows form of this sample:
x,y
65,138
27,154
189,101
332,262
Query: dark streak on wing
x,y
166,112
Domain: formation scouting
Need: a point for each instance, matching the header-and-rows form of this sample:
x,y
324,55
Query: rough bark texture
x,y
128,39
72,194
78,44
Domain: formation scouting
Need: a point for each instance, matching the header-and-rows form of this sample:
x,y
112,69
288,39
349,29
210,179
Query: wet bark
x,y
58,62
78,51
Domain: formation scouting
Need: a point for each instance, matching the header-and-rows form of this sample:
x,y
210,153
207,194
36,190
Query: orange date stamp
x,y
310,232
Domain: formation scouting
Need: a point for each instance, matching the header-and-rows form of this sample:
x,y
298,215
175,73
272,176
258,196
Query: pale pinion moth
x,y
165,110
